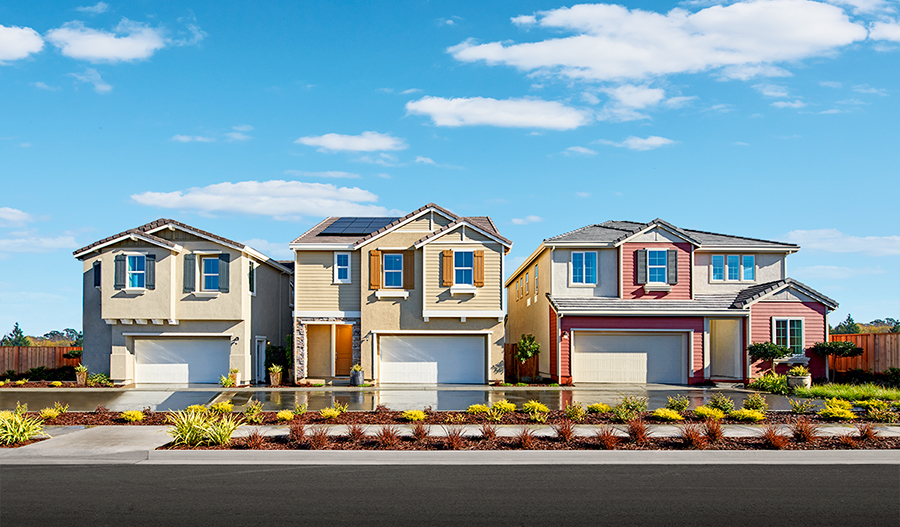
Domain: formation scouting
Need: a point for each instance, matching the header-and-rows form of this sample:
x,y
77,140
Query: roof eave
x,y
81,253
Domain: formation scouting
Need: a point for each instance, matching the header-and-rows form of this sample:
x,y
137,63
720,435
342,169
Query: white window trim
x,y
596,282
135,290
349,279
463,287
199,292
802,334
664,266
743,268
384,272
724,278
535,279
392,293
202,256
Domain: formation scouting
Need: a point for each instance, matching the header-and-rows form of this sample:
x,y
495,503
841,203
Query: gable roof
x,y
758,292
480,223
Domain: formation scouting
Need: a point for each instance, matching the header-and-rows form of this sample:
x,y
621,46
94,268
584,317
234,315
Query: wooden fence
x,y
881,351
517,371
23,358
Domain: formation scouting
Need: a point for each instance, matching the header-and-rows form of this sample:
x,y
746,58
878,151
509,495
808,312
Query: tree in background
x,y
66,337
15,338
879,325
848,326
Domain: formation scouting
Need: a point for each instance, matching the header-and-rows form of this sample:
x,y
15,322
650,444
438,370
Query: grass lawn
x,y
850,392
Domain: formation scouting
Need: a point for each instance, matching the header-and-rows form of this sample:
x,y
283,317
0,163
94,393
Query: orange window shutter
x,y
375,269
479,269
447,271
409,270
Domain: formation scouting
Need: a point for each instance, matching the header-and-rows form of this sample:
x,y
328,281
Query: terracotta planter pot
x,y
81,378
275,378
356,378
234,377
799,381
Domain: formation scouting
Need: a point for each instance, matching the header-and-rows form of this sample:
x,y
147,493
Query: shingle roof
x,y
753,293
700,304
482,222
139,230
614,231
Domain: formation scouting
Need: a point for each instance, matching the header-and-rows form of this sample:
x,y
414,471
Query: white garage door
x,y
630,357
180,361
432,360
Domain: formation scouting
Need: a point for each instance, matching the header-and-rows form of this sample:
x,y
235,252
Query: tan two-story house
x,y
414,299
168,303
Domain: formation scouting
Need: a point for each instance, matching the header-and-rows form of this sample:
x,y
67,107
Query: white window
x,y
526,283
733,268
517,289
733,262
393,271
584,267
789,332
342,268
656,267
136,271
209,273
252,278
748,263
464,268
718,267
535,279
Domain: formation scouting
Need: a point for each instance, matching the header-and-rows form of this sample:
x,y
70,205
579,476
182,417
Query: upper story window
x,y
535,279
656,267
464,268
789,332
584,267
748,262
733,268
517,289
209,273
393,271
342,268
252,278
136,271
718,267
526,283
733,262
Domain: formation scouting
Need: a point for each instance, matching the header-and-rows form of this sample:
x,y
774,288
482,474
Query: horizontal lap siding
x,y
693,324
813,314
489,297
316,290
631,289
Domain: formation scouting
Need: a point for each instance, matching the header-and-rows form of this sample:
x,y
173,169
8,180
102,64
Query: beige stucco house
x,y
168,303
415,299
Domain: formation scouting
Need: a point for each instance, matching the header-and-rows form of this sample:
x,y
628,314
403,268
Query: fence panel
x,y
880,352
22,358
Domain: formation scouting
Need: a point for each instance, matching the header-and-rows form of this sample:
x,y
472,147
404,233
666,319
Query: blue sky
x,y
771,119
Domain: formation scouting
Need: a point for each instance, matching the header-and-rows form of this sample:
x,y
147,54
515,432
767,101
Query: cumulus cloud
x,y
865,88
631,96
10,216
614,43
526,220
18,42
129,41
282,200
833,240
36,244
745,72
92,76
831,84
771,90
192,138
365,142
425,160
885,31
864,6
96,9
579,150
237,136
833,272
510,113
788,104
335,174
637,143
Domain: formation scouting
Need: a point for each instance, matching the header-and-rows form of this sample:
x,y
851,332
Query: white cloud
x,y
787,104
831,84
865,88
583,194
279,251
579,150
864,6
831,111
833,240
885,31
410,91
192,138
92,76
740,143
526,220
832,272
282,200
237,136
96,9
44,86
745,72
590,98
613,43
129,41
426,160
678,102
630,96
335,174
385,160
11,216
18,42
384,176
636,143
771,90
365,142
242,128
36,244
512,113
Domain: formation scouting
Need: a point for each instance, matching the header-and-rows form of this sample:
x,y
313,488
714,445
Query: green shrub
x,y
767,351
535,407
629,408
705,412
798,371
503,406
196,408
61,408
575,412
882,415
746,415
414,415
132,416
226,381
527,347
801,406
222,407
476,409
300,409
666,414
49,413
98,379
873,403
598,408
537,417
285,416
756,401
850,392
837,413
722,402
18,428
771,383
678,403
840,404
494,415
219,432
253,412
188,427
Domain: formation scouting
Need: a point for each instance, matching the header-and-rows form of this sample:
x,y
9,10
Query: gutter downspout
x,y
559,317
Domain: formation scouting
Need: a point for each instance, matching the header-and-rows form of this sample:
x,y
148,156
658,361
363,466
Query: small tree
x,y
836,349
767,351
848,326
527,348
15,338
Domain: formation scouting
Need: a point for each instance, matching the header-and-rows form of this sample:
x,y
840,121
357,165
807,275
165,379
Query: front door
x,y
725,348
343,349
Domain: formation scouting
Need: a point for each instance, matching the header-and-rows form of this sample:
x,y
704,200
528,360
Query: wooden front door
x,y
343,349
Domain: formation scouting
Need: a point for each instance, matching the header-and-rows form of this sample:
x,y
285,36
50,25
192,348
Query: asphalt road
x,y
669,495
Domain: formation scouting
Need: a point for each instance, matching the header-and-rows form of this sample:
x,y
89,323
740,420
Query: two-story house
x,y
626,302
415,299
168,303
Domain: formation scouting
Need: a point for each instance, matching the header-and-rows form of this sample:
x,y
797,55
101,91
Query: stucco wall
x,y
97,335
607,274
155,303
529,314
769,267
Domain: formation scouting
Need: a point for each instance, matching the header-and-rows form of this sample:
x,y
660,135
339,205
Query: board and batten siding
x,y
438,297
813,315
316,290
630,287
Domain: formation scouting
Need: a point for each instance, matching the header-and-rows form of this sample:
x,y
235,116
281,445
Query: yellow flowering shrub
x,y
504,406
745,414
598,408
533,406
665,414
414,415
132,416
330,413
223,407
705,412
49,413
56,384
285,415
478,409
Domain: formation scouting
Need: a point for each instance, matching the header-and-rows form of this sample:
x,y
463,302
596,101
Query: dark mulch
x,y
47,384
24,443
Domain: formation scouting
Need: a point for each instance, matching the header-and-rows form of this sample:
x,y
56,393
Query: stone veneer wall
x,y
300,356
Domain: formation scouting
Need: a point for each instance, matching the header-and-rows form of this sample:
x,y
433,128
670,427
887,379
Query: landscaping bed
x,y
50,384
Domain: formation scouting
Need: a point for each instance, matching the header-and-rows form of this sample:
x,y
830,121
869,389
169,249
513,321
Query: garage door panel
x,y
180,361
629,358
432,359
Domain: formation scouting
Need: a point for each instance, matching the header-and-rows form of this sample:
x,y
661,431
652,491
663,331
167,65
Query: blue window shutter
x,y
120,272
150,271
97,276
224,258
641,266
672,267
190,271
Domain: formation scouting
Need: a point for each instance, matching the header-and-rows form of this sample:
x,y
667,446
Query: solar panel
x,y
355,226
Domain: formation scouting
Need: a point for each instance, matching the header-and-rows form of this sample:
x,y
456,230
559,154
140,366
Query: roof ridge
x,y
576,230
740,237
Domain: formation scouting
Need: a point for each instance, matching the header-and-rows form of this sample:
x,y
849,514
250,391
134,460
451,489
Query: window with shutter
x,y
479,268
375,269
409,270
641,261
224,260
190,270
393,271
150,271
209,273
98,278
447,268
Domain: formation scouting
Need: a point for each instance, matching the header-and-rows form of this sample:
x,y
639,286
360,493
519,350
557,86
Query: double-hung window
x,y
718,267
393,271
748,262
342,268
584,267
136,271
733,268
789,332
209,273
656,267
464,268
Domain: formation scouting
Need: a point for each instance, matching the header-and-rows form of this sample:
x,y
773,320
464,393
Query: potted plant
x,y
275,374
81,373
233,375
799,376
767,351
356,375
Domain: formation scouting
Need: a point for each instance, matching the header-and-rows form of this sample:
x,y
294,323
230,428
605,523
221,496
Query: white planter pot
x,y
799,381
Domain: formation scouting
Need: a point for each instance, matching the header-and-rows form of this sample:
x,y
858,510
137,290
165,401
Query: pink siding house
x,y
627,302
